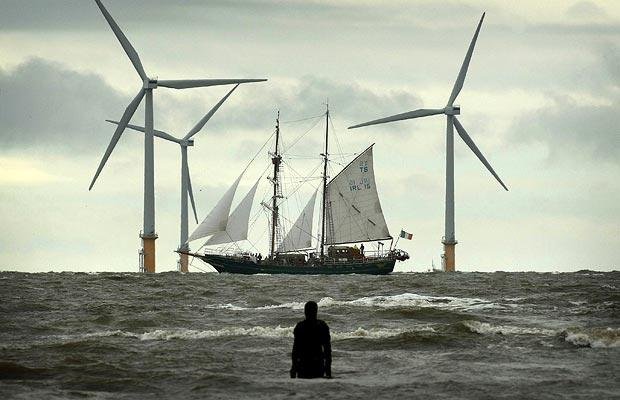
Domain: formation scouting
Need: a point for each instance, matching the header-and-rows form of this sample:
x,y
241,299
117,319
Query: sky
x,y
540,100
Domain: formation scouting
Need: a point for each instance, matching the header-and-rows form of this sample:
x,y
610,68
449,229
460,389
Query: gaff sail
x,y
300,235
217,219
352,209
237,226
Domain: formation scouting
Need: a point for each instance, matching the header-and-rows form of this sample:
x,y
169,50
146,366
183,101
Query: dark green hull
x,y
236,265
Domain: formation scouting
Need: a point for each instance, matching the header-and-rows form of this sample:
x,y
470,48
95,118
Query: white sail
x,y
300,234
217,219
237,226
352,208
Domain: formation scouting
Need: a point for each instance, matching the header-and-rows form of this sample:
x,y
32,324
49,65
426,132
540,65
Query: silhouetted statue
x,y
312,349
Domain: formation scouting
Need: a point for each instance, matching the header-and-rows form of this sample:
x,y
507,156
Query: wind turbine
x,y
451,111
186,183
148,234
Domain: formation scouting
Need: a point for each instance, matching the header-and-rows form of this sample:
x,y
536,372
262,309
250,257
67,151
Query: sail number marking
x,y
360,184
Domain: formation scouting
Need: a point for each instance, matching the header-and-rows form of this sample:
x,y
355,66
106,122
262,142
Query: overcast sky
x,y
540,100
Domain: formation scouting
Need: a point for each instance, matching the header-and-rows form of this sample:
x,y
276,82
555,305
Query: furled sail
x,y
352,208
217,219
237,226
300,234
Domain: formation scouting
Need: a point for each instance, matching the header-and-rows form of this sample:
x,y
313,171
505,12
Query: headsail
x,y
217,219
353,211
300,235
237,226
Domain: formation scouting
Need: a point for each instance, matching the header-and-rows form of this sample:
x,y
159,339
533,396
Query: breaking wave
x,y
257,331
596,337
484,328
396,301
581,337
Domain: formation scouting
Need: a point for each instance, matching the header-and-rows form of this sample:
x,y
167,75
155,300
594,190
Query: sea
x,y
499,335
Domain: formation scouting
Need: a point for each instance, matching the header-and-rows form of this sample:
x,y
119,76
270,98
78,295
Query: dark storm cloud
x,y
349,103
574,130
43,104
46,105
19,15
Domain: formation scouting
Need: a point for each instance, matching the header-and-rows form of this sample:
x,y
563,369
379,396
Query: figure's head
x,y
311,309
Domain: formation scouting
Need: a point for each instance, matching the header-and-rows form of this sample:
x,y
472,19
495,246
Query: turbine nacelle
x,y
452,110
187,143
150,83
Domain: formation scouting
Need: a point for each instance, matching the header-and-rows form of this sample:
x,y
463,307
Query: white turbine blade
x,y
131,52
463,134
208,115
423,112
191,192
160,134
194,83
129,111
458,85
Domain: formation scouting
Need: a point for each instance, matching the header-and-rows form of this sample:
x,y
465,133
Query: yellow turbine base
x,y
148,246
449,259
183,262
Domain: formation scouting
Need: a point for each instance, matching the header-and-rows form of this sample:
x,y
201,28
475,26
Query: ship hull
x,y
235,265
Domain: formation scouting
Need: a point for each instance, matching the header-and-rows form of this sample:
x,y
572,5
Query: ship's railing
x,y
236,254
368,256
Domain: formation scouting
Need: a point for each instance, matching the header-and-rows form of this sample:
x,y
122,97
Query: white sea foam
x,y
188,334
421,301
597,337
227,306
256,331
485,328
269,332
395,301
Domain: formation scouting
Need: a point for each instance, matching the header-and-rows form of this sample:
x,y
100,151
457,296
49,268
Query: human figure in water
x,y
312,349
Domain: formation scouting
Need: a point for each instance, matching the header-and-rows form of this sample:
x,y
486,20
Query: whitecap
x,y
484,328
594,337
394,301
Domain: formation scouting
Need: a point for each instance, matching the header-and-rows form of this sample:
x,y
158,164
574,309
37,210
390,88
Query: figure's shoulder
x,y
322,324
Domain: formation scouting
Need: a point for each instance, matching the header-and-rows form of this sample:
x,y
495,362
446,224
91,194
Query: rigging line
x,y
302,119
331,122
298,174
259,151
299,186
293,224
259,239
199,269
300,157
229,245
300,137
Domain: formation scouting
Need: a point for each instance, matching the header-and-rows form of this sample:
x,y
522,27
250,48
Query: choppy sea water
x,y
197,336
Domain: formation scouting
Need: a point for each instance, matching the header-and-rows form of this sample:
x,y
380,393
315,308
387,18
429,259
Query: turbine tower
x,y
186,183
148,234
451,111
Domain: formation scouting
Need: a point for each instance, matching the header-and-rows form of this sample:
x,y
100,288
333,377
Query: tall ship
x,y
350,216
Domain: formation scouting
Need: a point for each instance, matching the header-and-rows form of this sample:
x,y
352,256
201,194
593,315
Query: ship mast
x,y
276,160
324,181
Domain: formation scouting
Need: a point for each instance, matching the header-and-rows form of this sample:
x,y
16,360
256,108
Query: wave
x,y
388,302
484,328
581,337
256,331
595,337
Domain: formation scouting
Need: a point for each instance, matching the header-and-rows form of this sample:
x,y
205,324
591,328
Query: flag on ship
x,y
406,235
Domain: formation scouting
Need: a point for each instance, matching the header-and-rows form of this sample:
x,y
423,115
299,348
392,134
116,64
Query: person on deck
x,y
312,351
